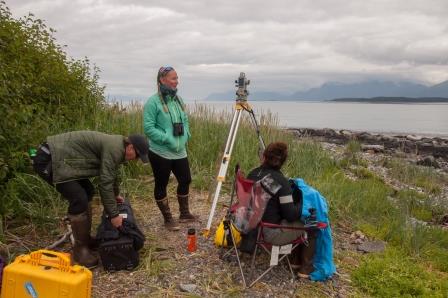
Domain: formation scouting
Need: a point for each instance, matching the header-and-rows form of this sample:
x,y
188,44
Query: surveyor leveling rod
x,y
240,106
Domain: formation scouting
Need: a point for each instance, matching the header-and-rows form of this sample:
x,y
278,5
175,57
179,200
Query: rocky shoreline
x,y
427,151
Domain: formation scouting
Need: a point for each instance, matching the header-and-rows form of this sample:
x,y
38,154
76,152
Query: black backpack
x,y
118,248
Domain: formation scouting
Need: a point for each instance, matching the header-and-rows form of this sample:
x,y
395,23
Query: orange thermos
x,y
191,239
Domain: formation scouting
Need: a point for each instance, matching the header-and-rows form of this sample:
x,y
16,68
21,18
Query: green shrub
x,y
42,91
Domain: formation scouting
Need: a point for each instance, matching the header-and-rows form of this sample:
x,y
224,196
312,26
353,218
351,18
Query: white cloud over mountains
x,y
283,46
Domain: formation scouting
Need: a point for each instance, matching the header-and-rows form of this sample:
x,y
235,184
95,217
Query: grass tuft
x,y
419,176
393,274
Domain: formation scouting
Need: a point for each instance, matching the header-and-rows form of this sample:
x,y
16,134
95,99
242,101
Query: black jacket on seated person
x,y
285,204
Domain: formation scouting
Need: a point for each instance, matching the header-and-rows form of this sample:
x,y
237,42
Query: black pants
x,y
77,192
162,168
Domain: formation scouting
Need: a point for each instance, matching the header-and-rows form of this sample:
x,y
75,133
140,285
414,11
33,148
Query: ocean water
x,y
419,119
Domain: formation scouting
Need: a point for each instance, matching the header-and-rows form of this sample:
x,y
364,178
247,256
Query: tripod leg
x,y
231,129
233,136
224,165
262,145
238,257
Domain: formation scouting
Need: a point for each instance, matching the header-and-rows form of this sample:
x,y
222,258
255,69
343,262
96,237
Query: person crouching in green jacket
x,y
166,126
67,161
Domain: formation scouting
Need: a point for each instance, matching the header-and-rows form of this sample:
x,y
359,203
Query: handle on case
x,y
42,257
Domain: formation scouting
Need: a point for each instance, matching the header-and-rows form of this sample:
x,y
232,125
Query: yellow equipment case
x,y
45,274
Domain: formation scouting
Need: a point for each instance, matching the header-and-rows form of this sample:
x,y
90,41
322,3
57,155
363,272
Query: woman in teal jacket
x,y
166,126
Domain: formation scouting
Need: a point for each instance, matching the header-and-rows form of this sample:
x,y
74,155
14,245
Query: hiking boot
x,y
303,276
307,255
295,259
93,242
185,215
170,223
81,225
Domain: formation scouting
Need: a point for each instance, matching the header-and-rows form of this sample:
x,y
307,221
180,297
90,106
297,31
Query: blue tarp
x,y
324,267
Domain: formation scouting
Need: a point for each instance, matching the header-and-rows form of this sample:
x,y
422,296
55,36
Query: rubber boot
x,y
185,215
170,223
295,258
93,243
81,225
307,257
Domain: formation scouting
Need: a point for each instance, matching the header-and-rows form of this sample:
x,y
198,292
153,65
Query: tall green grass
x,y
210,129
31,197
419,176
394,274
416,204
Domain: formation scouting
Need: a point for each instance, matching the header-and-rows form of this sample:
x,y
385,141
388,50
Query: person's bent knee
x,y
90,190
77,207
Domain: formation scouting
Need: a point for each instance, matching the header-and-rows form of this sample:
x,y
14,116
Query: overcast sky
x,y
283,46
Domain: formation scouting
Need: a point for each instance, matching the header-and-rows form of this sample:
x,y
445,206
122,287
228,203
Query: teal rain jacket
x,y
158,127
324,267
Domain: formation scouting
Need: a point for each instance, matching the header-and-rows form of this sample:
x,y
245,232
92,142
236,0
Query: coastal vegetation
x,y
45,92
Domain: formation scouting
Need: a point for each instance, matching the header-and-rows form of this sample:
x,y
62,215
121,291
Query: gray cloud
x,y
283,46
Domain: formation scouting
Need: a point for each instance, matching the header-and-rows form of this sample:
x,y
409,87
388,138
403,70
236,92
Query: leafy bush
x,y
42,92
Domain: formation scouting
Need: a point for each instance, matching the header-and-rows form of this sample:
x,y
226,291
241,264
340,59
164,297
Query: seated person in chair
x,y
285,208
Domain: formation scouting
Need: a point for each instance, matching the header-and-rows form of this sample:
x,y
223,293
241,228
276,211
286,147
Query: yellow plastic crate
x,y
47,274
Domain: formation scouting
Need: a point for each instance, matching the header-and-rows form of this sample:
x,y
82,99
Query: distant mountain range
x,y
333,90
394,99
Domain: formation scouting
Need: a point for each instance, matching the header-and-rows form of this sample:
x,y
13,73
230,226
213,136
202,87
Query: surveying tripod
x,y
240,106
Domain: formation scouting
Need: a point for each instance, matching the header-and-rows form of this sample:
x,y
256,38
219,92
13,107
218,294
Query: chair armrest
x,y
317,225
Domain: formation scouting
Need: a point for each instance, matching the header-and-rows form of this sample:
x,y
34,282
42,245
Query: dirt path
x,y
166,264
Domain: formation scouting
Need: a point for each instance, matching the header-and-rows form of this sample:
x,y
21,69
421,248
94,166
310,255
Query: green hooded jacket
x,y
83,154
158,127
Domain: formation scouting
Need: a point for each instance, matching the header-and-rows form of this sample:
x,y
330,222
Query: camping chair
x,y
280,252
245,214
